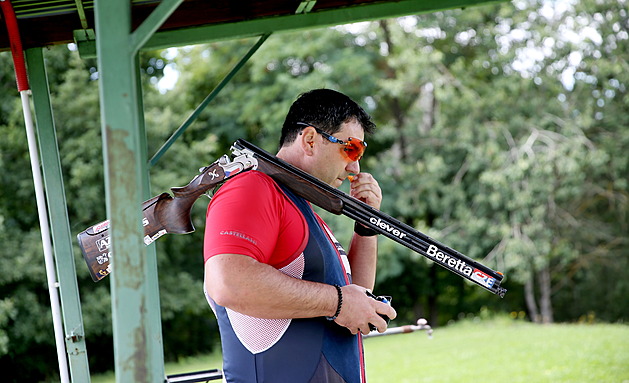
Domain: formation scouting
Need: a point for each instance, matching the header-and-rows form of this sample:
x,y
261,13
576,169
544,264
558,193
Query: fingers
x,y
385,313
364,187
391,313
386,310
359,311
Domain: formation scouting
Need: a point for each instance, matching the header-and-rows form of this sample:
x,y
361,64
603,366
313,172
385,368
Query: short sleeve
x,y
248,216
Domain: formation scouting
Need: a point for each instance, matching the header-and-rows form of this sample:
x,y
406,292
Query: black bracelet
x,y
340,303
364,231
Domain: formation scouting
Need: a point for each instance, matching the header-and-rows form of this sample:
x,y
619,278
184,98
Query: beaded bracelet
x,y
340,303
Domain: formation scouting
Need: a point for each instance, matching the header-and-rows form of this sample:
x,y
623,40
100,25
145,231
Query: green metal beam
x,y
59,222
125,169
303,21
138,347
289,23
160,14
195,114
81,12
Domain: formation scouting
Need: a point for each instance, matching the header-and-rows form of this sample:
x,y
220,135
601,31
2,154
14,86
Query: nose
x,y
353,167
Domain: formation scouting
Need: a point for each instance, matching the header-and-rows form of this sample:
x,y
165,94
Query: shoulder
x,y
251,186
252,180
259,177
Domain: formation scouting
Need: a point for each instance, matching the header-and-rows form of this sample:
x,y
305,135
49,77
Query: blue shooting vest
x,y
305,350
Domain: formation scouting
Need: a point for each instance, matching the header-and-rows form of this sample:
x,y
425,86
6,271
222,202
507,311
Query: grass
x,y
495,350
189,364
502,351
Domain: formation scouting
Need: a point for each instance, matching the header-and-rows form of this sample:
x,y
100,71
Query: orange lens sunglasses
x,y
353,148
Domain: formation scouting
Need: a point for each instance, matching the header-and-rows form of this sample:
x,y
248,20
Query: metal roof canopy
x,y
126,27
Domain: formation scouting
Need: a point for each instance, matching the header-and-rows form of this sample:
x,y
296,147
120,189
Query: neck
x,y
290,155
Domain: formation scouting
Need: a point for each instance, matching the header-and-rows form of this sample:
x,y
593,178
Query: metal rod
x,y
58,215
81,11
422,324
45,236
152,23
195,114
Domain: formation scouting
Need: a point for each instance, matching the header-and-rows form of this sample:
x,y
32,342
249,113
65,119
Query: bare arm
x,y
245,285
363,251
363,258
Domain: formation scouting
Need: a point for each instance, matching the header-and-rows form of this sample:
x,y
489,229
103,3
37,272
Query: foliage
x,y
502,132
507,167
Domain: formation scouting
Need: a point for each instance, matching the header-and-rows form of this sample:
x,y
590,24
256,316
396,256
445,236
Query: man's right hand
x,y
359,310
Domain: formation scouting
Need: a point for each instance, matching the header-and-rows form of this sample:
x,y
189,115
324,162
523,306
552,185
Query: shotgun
x,y
165,214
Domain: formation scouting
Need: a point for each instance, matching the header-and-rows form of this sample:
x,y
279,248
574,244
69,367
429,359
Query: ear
x,y
307,140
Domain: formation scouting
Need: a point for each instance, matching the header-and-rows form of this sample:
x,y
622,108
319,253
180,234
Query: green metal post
x,y
59,222
156,354
124,171
138,348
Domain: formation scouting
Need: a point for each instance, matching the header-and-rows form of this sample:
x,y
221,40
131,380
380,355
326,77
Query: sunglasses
x,y
353,148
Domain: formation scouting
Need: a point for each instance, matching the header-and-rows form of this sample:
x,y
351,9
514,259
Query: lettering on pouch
x,y
103,244
148,239
100,227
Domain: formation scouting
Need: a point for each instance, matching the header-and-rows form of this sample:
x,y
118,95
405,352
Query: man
x,y
289,300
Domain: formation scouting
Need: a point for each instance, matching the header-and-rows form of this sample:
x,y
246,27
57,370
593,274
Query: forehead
x,y
351,129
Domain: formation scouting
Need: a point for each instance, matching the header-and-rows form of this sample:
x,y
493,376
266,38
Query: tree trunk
x,y
545,302
529,296
428,105
393,104
419,310
433,308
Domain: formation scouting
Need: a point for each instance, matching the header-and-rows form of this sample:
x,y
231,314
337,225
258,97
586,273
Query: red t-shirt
x,y
250,215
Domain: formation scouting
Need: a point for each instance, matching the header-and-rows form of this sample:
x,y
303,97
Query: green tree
x,y
506,159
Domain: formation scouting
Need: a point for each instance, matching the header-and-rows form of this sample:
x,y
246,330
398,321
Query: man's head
x,y
323,134
327,110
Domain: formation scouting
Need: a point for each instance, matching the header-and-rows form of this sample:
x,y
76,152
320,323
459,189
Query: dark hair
x,y
327,110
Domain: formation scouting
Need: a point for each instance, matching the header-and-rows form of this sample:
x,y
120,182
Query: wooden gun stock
x,y
95,242
162,214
